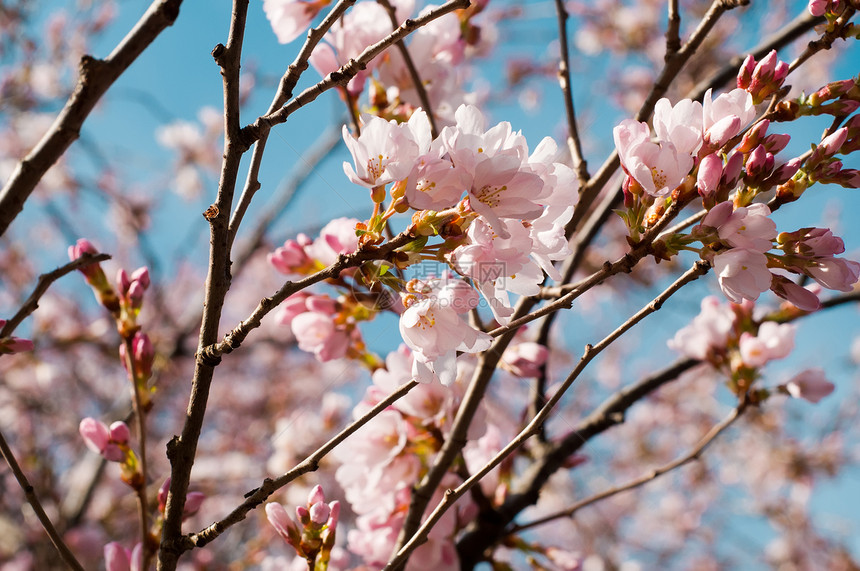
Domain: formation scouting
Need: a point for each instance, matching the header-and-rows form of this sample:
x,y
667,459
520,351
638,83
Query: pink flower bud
x,y
119,432
334,516
786,171
745,72
732,170
135,295
144,354
303,515
193,501
83,246
754,136
721,131
810,385
14,344
162,495
286,527
319,513
321,303
316,495
113,453
776,142
122,281
141,275
95,434
797,295
831,144
710,172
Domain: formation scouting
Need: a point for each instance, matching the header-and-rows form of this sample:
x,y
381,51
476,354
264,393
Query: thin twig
x,y
232,340
269,486
140,421
33,500
413,71
698,269
44,282
283,94
573,142
94,79
651,475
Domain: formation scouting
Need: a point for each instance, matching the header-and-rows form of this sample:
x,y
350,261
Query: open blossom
x,y
103,440
386,151
658,168
289,18
433,329
742,274
746,227
773,341
317,333
708,332
810,384
680,124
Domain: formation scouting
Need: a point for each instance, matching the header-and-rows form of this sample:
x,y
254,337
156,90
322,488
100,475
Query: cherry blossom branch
x,y
826,40
181,450
788,34
232,340
609,414
574,144
651,475
413,71
285,91
673,66
33,499
310,464
342,76
95,76
488,361
42,285
475,547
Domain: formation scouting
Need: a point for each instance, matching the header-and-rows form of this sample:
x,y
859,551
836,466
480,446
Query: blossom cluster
x,y
729,338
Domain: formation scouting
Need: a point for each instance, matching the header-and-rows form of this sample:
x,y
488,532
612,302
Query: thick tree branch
x,y
182,450
95,77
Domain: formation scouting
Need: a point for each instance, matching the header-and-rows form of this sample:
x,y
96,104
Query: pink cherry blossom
x,y
773,341
799,296
835,273
680,125
434,331
708,332
658,168
317,333
525,359
289,18
737,103
742,274
747,227
810,384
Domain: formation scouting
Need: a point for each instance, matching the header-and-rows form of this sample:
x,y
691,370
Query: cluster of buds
x,y
764,78
112,444
9,344
141,358
313,537
837,98
124,303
